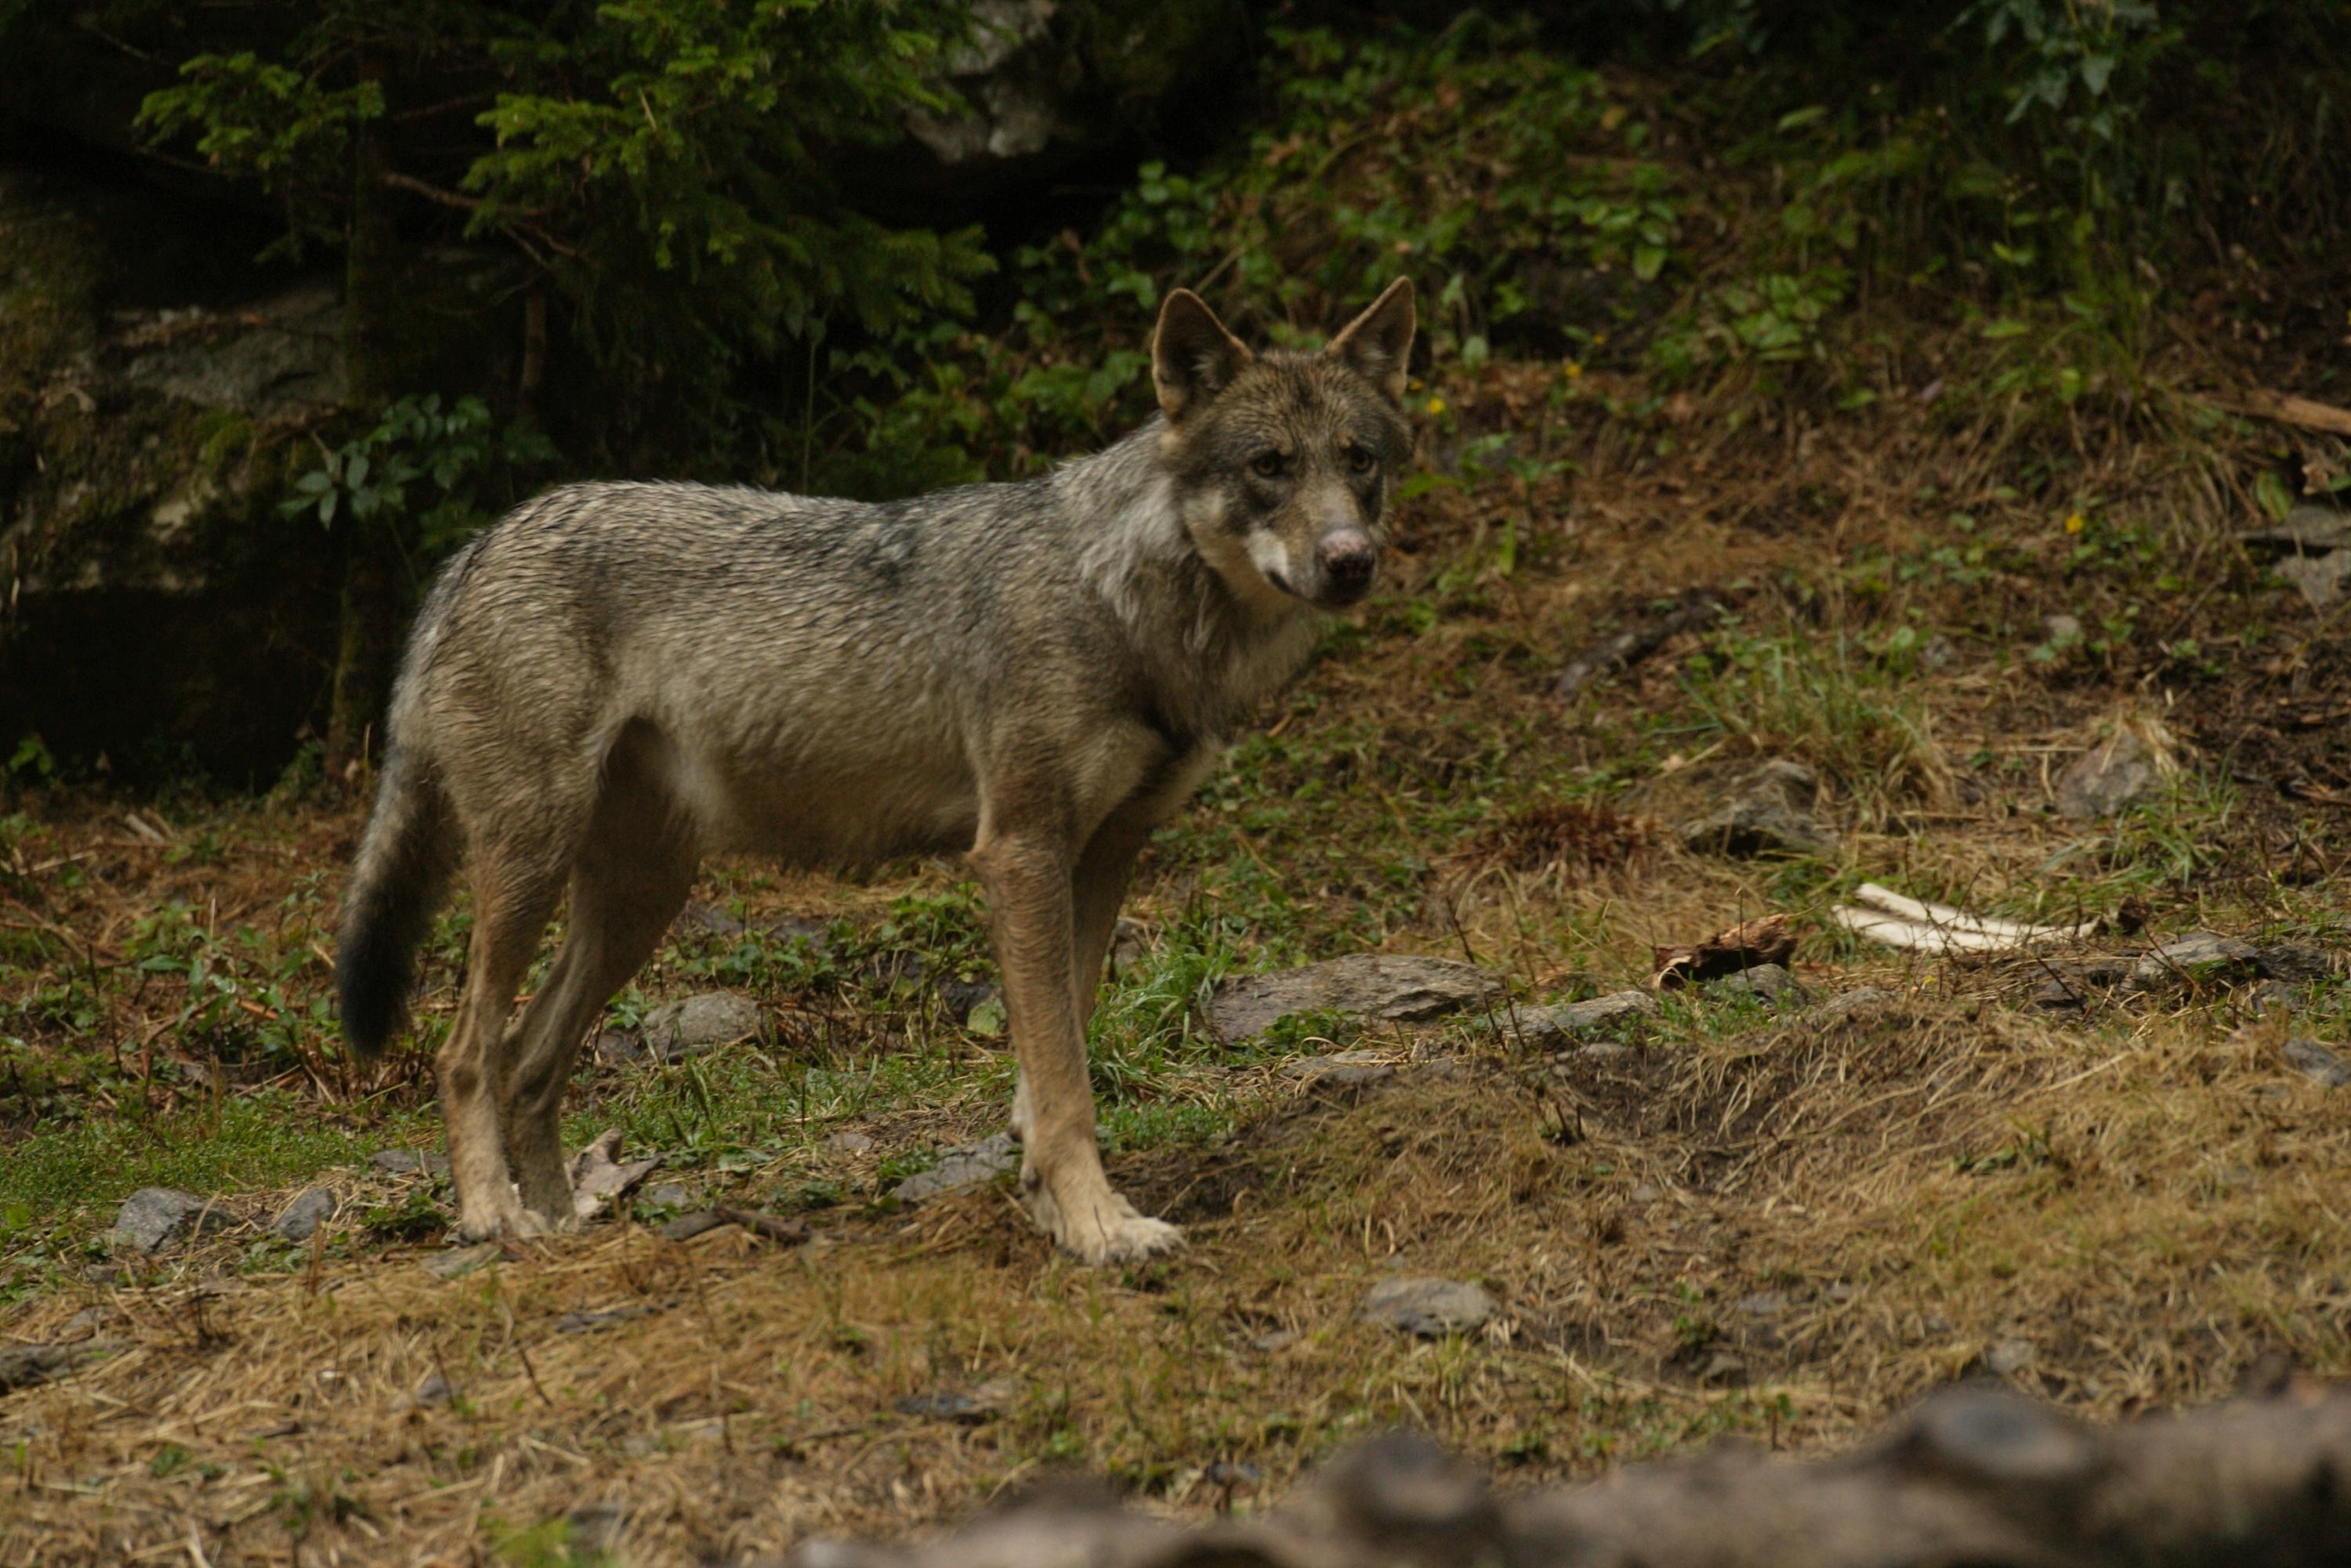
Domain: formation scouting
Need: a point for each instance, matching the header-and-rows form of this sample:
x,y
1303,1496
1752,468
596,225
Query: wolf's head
x,y
1286,465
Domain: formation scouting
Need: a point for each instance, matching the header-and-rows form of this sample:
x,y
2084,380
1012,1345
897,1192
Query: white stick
x,y
1919,912
1925,938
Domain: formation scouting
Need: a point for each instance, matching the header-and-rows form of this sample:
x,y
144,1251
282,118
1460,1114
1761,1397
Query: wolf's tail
x,y
403,866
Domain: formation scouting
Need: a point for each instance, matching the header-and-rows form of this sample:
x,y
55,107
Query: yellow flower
x,y
1436,405
1573,370
2076,523
1598,339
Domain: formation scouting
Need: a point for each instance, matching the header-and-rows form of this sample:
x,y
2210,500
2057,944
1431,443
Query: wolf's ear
x,y
1192,358
1377,345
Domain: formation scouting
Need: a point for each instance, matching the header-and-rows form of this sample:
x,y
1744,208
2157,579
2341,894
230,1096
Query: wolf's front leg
x,y
1028,878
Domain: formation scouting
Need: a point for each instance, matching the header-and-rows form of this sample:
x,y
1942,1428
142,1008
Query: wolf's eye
x,y
1266,465
1360,459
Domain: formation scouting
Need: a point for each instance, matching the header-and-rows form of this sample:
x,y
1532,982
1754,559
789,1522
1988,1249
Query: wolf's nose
x,y
1346,560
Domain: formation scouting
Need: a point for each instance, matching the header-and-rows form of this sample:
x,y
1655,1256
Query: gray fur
x,y
618,680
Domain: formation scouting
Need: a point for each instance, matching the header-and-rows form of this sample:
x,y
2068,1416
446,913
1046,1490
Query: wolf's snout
x,y
1346,560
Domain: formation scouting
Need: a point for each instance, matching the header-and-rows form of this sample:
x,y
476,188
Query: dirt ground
x,y
1780,1221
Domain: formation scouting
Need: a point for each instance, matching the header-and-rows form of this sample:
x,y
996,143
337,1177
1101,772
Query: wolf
x,y
617,680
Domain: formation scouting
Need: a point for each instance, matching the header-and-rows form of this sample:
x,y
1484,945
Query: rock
x,y
2008,1357
2319,579
2115,773
1427,1308
1723,1366
695,1024
2075,982
793,930
960,997
704,920
2316,1062
671,1195
617,1046
2199,958
308,1211
1543,1028
848,1141
1764,1303
2292,962
409,1162
155,1218
1273,1340
1849,1004
1772,982
461,1260
2270,996
1340,1069
589,1321
961,1167
434,1390
2061,629
1130,943
1394,987
2308,527
984,1403
594,1535
1768,811
25,1366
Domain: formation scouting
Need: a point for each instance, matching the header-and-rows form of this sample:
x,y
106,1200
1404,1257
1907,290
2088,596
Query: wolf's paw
x,y
512,1223
1099,1227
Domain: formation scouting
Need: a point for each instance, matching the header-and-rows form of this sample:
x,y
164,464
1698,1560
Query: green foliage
x,y
464,457
663,163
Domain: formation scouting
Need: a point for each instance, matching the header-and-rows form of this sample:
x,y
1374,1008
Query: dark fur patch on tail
x,y
402,866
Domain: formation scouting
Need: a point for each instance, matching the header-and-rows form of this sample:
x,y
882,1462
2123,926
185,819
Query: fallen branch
x,y
1920,927
1974,1476
2303,414
1633,644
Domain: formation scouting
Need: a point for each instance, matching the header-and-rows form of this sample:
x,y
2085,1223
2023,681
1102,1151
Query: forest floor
x,y
1735,1215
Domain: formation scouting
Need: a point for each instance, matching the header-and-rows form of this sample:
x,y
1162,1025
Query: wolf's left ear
x,y
1192,358
1377,345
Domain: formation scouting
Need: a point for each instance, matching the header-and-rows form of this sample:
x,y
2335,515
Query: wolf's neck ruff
x,y
1140,553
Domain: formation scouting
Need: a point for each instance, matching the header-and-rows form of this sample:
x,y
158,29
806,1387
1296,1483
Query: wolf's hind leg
x,y
631,880
514,893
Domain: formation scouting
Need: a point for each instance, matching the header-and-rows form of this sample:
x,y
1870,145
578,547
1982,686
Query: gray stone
x,y
704,920
1764,1303
1723,1366
409,1162
1392,987
961,1167
2317,1063
1770,981
2293,963
698,1023
671,1195
595,1532
1847,1004
155,1218
848,1141
984,1403
1427,1308
1340,1069
794,930
2108,777
959,996
1544,1026
306,1214
2007,1357
2308,527
25,1366
1769,811
461,1260
2319,579
434,1390
2199,958
2061,628
617,1046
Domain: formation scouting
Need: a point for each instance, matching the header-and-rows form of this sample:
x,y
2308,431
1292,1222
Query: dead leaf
x,y
1769,940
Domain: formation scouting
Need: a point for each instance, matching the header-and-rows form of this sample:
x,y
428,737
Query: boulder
x,y
1427,1308
156,1218
1389,987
